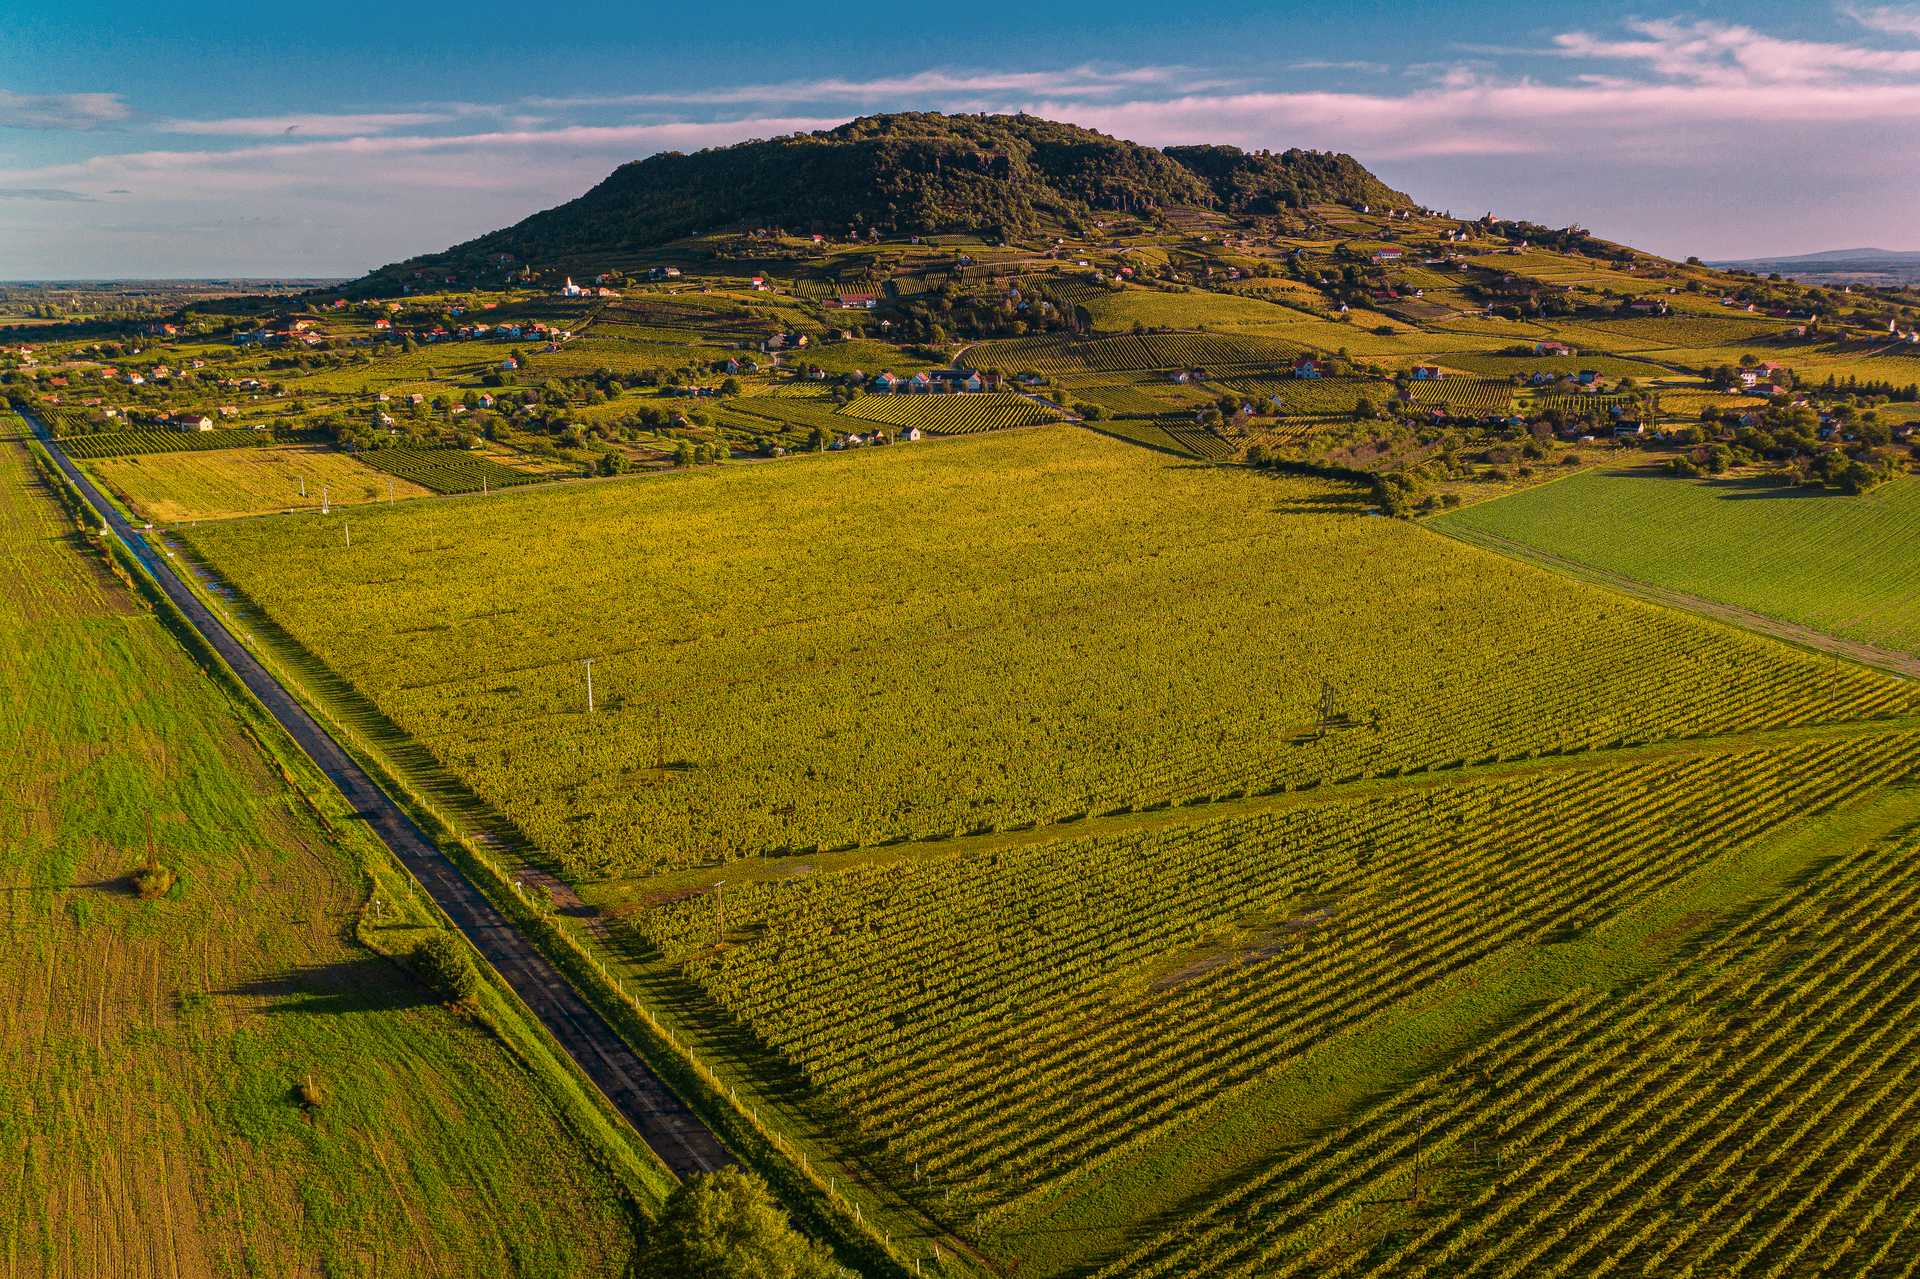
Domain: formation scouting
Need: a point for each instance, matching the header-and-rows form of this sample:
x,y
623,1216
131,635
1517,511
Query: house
x,y
1180,376
1387,255
484,400
509,364
1651,306
606,293
911,434
859,301
229,410
664,273
1427,373
1306,368
1628,429
1587,378
885,382
958,380
759,284
731,366
920,383
190,422
1553,348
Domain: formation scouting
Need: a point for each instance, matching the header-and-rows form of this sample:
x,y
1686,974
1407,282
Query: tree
x,y
443,963
725,1225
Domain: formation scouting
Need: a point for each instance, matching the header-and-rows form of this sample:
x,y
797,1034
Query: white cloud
x,y
1893,20
317,125
1714,53
60,110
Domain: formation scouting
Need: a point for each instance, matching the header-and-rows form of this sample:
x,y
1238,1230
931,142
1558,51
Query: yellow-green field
x,y
170,487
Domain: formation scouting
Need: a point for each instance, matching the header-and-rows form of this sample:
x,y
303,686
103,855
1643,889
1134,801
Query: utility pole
x,y
326,504
303,486
588,663
348,530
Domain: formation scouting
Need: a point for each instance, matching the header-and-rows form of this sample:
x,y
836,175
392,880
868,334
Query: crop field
x,y
1560,365
150,1049
1842,565
1313,397
1116,312
126,443
1750,1112
447,470
1259,937
1580,402
167,487
950,414
1132,400
1463,395
1059,356
1130,662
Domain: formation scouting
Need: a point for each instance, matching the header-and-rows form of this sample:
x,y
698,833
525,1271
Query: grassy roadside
x,y
237,1075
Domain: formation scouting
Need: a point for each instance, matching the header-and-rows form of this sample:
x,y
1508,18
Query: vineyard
x,y
1750,1113
1059,356
1134,631
949,414
447,470
1579,404
1464,396
1259,938
1313,397
126,443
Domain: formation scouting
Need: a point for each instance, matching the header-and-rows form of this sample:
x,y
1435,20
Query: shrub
x,y
153,880
444,964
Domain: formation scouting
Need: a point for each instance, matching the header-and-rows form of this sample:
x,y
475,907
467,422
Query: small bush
x,y
153,880
309,1093
443,963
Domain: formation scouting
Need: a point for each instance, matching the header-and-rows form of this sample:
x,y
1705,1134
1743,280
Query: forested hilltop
x,y
917,173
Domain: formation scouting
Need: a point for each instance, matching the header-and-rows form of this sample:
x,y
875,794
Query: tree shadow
x,y
369,984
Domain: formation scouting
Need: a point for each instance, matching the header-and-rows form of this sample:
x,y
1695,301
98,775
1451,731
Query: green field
x,y
1843,565
150,1051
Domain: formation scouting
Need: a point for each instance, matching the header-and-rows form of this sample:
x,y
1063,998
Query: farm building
x,y
190,422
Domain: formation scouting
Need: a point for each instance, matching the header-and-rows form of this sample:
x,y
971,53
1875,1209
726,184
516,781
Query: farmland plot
x,y
210,486
1844,565
1009,629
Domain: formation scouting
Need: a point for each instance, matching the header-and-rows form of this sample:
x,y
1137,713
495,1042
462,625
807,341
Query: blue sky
x,y
194,139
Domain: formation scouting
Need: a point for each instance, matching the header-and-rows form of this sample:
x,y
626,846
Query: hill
x,y
1863,266
913,174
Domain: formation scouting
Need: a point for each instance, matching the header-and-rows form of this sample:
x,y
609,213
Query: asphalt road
x,y
683,1143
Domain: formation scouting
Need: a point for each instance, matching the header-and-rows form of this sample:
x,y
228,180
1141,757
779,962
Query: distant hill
x,y
917,173
1870,266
